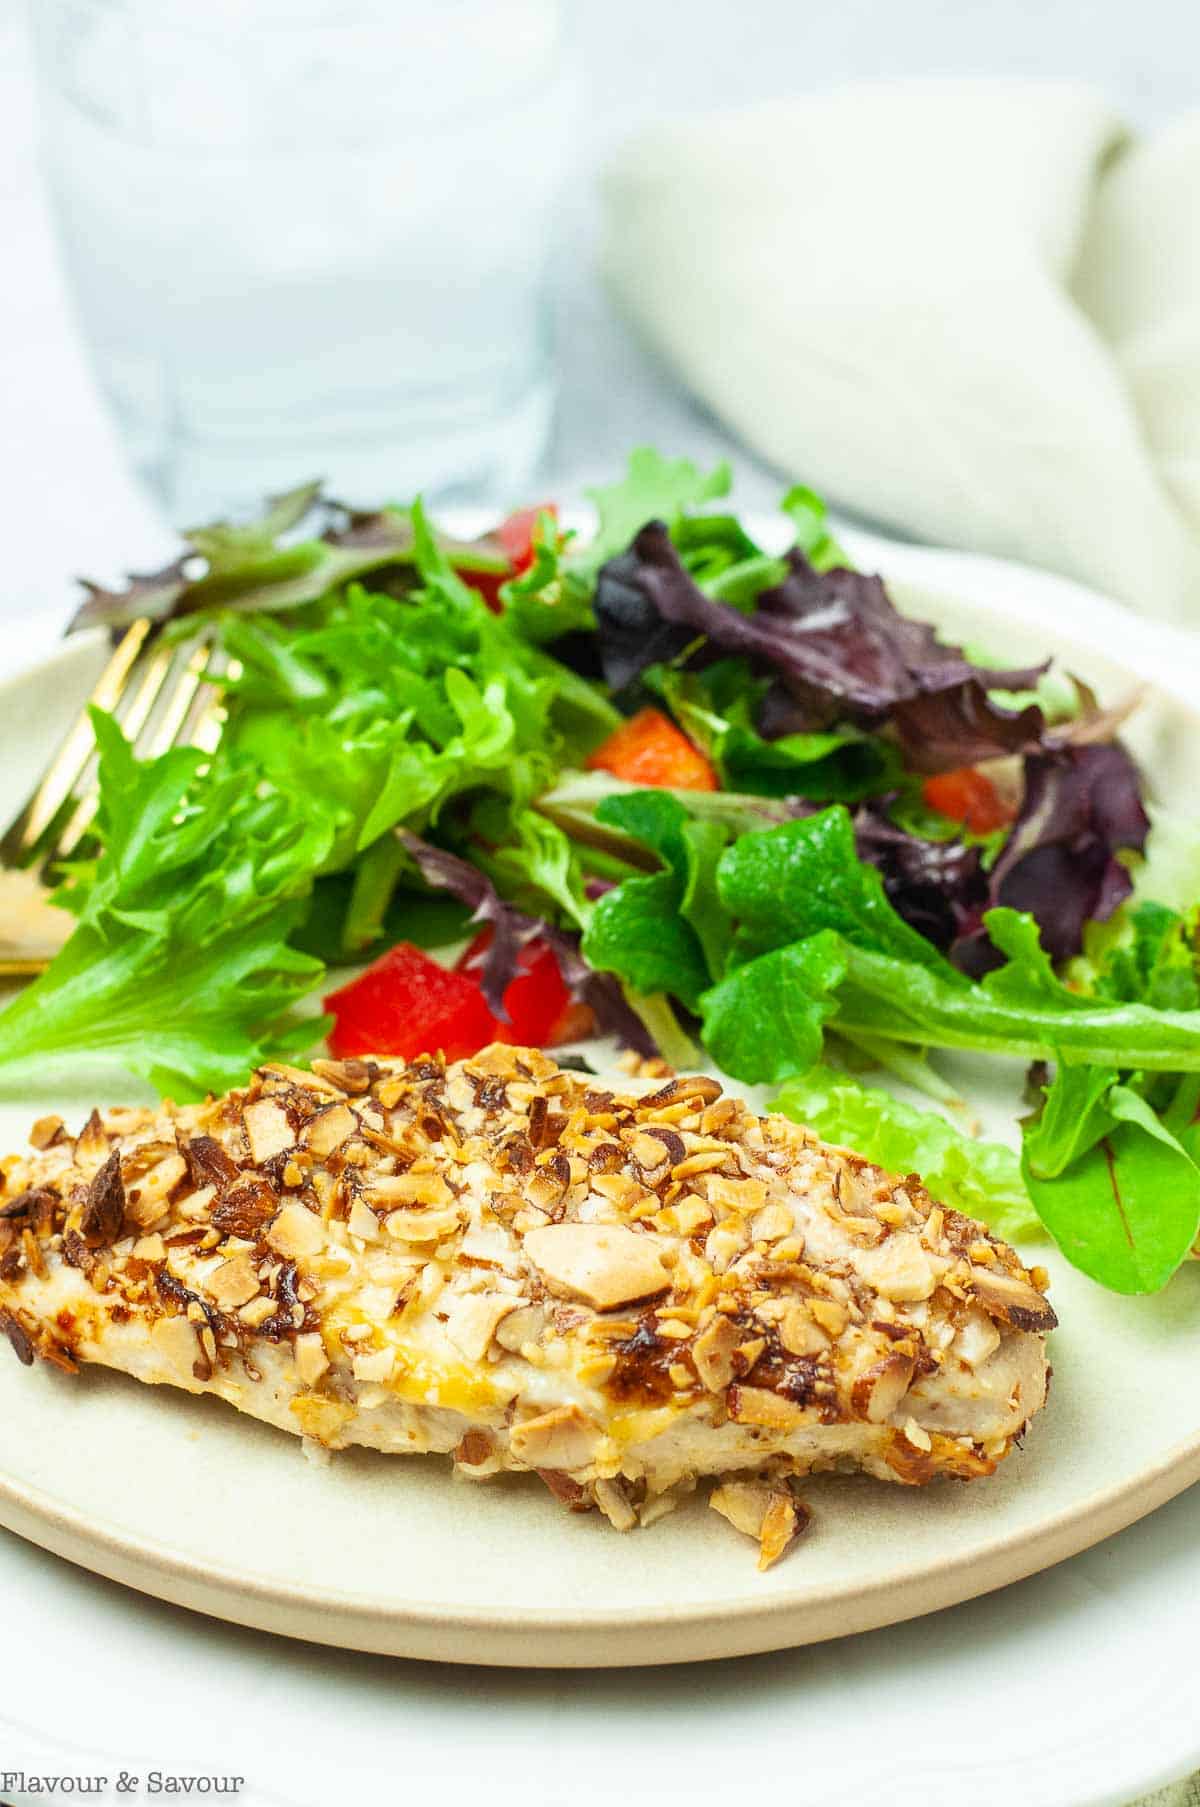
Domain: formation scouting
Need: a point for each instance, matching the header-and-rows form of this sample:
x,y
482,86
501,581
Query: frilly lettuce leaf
x,y
179,968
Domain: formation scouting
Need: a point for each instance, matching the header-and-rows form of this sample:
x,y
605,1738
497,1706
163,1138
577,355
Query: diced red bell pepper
x,y
541,1012
516,533
650,749
406,1004
516,537
969,797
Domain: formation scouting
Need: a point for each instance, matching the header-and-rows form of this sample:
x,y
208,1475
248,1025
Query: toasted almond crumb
x,y
603,1264
45,1132
374,1364
267,1130
613,1501
917,1435
296,1231
310,1357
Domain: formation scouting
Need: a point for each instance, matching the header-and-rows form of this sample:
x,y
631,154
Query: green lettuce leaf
x,y
657,932
808,515
1125,1210
803,877
653,488
179,968
716,709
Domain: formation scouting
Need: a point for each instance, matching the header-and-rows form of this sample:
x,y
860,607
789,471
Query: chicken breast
x,y
529,1268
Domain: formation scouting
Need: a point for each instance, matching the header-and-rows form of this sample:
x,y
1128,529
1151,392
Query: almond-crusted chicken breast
x,y
528,1268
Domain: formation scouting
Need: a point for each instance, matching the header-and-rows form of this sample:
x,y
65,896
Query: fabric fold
x,y
876,288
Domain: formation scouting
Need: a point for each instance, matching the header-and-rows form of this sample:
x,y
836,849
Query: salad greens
x,y
901,849
179,967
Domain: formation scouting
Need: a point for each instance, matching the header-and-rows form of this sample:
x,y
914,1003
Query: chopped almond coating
x,y
621,1286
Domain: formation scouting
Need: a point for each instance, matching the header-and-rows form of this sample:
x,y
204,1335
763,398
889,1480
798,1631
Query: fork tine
x,y
69,762
206,720
169,730
132,719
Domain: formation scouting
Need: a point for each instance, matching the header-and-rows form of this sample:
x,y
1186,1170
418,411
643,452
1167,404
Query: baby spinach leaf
x,y
795,880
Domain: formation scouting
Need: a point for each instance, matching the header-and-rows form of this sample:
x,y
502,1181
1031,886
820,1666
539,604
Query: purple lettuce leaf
x,y
1082,806
262,565
833,641
601,992
941,730
512,930
938,887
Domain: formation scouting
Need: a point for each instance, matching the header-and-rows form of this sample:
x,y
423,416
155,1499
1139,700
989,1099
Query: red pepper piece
x,y
968,797
516,536
406,1004
650,749
541,1011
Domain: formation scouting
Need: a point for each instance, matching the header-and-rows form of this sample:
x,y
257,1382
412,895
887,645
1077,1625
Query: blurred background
x,y
508,128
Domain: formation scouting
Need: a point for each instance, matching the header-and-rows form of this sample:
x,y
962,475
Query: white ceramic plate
x,y
182,1498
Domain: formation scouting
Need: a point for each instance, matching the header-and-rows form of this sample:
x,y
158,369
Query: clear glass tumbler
x,y
311,237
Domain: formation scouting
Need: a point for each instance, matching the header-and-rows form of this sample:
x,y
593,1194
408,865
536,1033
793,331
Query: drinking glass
x,y
311,237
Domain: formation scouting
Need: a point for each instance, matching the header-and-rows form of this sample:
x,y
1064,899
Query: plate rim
x,y
63,1529
1163,654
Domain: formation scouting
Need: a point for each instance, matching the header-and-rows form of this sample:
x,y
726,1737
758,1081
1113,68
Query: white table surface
x,y
94,1677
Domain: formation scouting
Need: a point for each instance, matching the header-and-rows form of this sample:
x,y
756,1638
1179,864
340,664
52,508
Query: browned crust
x,y
838,1339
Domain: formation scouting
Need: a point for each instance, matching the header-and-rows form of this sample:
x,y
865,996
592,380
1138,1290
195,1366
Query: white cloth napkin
x,y
967,310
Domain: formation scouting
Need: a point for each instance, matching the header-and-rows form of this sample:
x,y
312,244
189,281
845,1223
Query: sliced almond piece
x,y
769,1515
799,1334
310,1356
713,1350
235,1282
363,1222
491,1243
772,1222
613,1501
603,1264
175,1344
784,1521
45,1132
374,1364
758,1405
329,1129
563,1438
876,1394
428,1189
744,1504
830,1314
473,1318
1013,1301
977,1338
267,1130
724,1244
745,1196
103,1214
422,1226
146,1198
91,1145
899,1269
523,1326
258,1311
296,1231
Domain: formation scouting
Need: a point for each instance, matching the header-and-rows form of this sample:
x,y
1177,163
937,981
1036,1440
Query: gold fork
x,y
163,695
